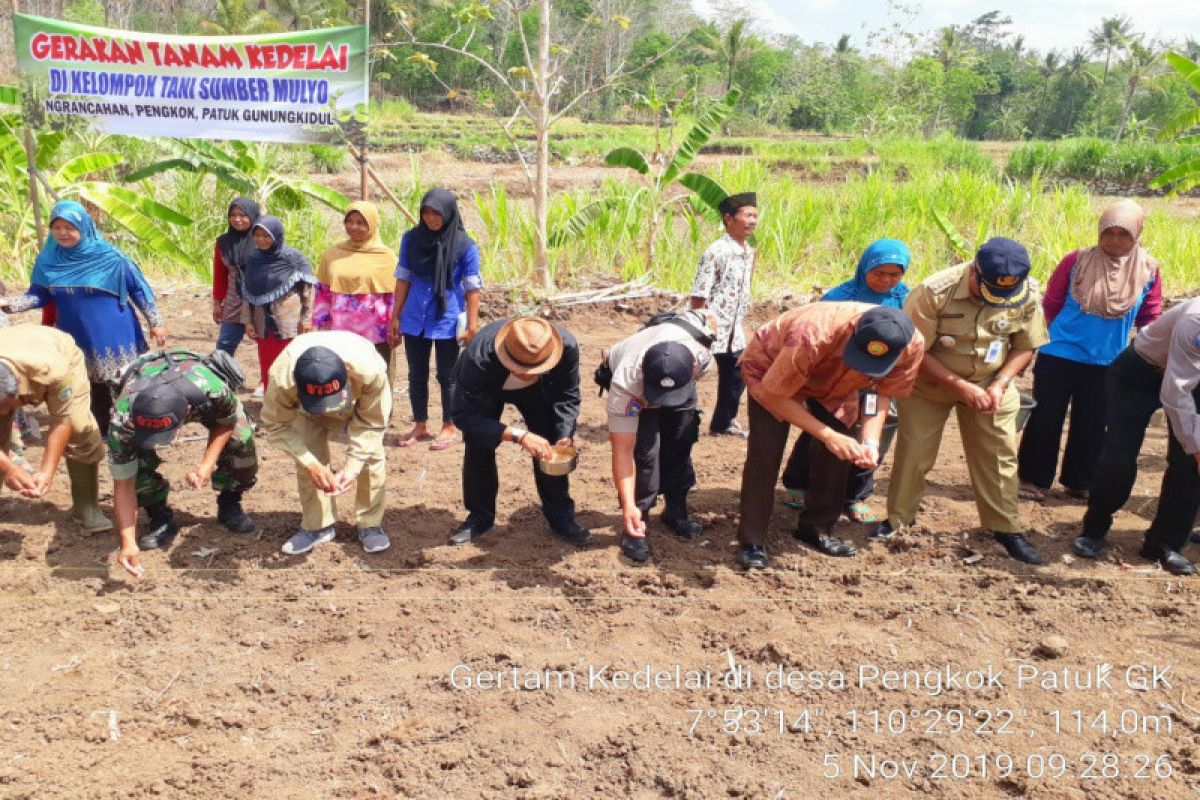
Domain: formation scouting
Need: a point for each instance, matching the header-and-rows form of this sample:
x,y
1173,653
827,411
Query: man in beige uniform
x,y
982,322
43,365
321,383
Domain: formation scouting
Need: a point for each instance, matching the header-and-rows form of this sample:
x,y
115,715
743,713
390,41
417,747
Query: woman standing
x,y
355,283
94,288
437,293
1094,299
229,260
878,279
277,287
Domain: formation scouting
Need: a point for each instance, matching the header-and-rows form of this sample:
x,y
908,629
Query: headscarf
x,y
94,263
270,274
432,255
351,267
1108,287
236,245
883,251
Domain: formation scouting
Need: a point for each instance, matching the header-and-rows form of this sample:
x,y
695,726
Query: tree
x,y
1184,176
234,17
537,84
1111,36
1140,67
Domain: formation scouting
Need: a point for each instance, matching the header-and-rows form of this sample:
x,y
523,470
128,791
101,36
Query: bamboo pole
x,y
35,199
364,164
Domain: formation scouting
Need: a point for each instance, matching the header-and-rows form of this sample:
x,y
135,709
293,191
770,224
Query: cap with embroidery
x,y
1003,266
157,412
879,337
320,379
667,373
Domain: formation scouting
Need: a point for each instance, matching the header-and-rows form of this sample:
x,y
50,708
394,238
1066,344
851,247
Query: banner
x,y
286,87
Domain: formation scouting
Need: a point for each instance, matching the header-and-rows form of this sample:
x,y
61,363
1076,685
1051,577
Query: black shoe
x,y
574,533
1195,537
161,529
1019,548
823,542
882,532
681,525
753,556
636,548
1172,561
1088,547
470,530
230,513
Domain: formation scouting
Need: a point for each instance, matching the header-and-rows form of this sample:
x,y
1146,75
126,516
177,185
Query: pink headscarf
x,y
1108,287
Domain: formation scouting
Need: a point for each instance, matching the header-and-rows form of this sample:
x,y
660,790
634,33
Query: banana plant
x,y
1185,175
659,192
81,178
960,243
248,169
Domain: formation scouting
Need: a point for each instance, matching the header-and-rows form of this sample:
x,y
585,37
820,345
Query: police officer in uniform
x,y
982,322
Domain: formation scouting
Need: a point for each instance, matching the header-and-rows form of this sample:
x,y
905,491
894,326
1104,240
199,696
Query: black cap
x,y
667,372
320,379
157,412
1003,266
879,338
733,202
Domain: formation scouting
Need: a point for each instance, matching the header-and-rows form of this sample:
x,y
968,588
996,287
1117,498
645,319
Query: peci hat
x,y
528,345
1003,266
879,337
157,413
668,372
321,379
733,202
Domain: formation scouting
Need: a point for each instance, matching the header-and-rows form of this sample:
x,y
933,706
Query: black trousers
x,y
416,351
481,482
102,405
729,390
764,453
663,457
1133,389
859,484
1057,384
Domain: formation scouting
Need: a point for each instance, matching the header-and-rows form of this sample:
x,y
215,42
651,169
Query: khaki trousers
x,y
318,509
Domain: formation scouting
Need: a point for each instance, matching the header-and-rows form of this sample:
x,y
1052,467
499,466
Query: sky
x,y
1045,24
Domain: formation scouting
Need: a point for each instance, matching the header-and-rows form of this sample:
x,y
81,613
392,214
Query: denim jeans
x,y
230,336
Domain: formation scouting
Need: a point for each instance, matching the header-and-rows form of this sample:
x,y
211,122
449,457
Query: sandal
x,y
798,499
860,512
1027,491
410,438
445,443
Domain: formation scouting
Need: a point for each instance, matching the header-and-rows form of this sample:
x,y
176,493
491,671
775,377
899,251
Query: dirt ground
x,y
234,670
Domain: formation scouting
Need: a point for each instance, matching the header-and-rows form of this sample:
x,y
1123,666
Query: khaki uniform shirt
x,y
969,337
365,415
49,367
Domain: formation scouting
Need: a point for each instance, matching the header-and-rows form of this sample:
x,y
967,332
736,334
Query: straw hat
x,y
528,345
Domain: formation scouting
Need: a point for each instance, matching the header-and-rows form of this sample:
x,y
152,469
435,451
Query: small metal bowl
x,y
562,462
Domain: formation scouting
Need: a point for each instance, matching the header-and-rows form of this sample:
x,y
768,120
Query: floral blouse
x,y
365,314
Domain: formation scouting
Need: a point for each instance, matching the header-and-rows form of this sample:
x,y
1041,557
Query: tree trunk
x,y
541,123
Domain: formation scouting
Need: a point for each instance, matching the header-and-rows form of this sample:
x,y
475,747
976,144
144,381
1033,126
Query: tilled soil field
x,y
929,666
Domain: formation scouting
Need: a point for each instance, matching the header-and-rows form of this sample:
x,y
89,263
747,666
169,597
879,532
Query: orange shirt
x,y
799,354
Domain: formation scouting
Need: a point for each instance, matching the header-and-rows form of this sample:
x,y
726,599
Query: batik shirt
x,y
723,280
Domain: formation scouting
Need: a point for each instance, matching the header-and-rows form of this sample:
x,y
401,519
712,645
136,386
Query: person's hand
x,y
869,458
250,331
42,482
996,392
536,446
323,478
394,337
566,441
305,326
128,559
217,311
469,334
631,518
844,447
160,335
21,482
974,397
343,481
199,476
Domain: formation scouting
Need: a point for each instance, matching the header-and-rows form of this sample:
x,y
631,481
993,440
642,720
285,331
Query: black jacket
x,y
479,379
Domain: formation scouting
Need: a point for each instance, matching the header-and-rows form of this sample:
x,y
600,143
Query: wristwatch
x,y
517,434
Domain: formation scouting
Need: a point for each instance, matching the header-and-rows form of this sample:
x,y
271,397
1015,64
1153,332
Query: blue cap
x,y
1003,266
879,337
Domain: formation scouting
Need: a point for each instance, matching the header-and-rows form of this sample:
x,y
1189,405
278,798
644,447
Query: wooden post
x,y
364,164
35,199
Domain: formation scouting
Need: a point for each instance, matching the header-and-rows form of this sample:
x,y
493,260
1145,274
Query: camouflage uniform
x,y
237,465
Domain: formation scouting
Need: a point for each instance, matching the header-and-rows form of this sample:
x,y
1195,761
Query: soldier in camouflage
x,y
163,390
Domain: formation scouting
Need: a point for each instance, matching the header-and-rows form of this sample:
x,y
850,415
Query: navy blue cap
x,y
1003,266
667,373
320,380
879,338
157,413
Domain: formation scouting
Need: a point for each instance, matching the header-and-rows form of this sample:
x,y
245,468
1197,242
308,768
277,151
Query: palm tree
x,y
1112,35
234,17
1140,67
1048,69
729,48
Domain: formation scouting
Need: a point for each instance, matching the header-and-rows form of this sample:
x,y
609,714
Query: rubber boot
x,y
230,513
162,527
85,494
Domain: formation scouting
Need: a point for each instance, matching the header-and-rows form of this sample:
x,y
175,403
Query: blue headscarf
x,y
94,263
884,251
269,274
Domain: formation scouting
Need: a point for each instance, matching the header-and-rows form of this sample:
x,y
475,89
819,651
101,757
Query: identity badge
x,y
870,404
993,351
